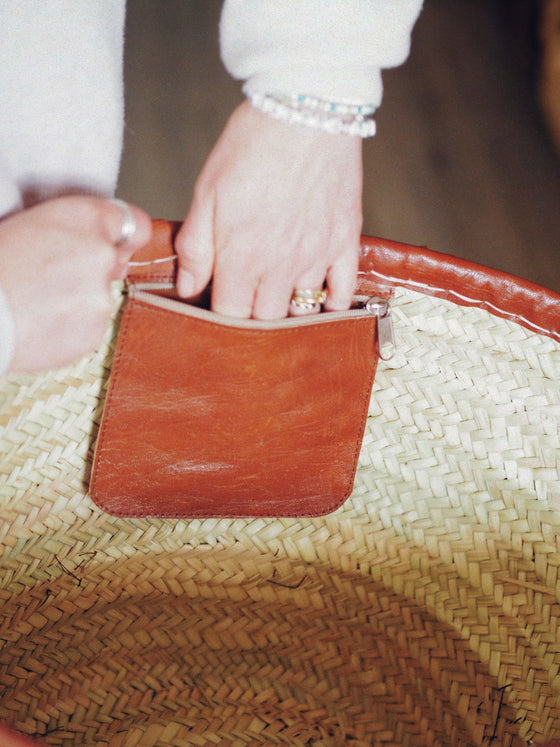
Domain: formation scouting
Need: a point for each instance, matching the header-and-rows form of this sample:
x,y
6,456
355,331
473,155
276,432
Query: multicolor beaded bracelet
x,y
335,118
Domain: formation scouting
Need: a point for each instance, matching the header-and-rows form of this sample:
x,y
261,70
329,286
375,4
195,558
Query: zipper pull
x,y
381,308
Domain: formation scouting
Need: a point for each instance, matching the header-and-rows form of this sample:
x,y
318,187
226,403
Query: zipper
x,y
381,308
378,307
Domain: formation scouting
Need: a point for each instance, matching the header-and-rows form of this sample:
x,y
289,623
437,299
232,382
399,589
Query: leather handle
x,y
156,261
386,265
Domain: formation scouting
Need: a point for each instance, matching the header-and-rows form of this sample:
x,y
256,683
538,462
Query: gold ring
x,y
128,228
308,298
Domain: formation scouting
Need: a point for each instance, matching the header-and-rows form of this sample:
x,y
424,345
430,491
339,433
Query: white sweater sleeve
x,y
331,49
7,334
61,93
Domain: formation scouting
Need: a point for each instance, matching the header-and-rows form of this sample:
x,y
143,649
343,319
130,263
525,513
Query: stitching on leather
x,y
252,332
365,412
123,332
449,294
161,277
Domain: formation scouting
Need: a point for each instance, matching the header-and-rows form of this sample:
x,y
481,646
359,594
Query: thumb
x,y
194,245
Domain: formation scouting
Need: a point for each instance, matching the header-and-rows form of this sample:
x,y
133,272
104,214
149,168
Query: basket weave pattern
x,y
423,612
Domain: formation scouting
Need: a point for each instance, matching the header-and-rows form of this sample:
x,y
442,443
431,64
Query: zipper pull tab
x,y
381,308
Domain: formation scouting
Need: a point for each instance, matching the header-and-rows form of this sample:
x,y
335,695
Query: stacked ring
x,y
128,228
308,299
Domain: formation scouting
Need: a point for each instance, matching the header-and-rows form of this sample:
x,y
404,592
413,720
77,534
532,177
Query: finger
x,y
194,245
233,293
342,279
99,218
306,293
272,299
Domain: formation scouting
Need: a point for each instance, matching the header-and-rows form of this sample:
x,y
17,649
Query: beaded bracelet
x,y
335,118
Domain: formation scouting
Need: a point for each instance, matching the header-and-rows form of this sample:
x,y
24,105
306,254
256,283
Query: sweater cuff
x,y
329,49
328,84
7,334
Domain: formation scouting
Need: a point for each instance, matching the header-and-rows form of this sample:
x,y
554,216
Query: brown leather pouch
x,y
208,416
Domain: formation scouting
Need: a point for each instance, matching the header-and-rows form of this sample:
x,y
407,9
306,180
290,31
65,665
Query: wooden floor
x,y
461,163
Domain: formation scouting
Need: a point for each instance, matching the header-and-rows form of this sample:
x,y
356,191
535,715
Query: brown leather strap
x,y
156,262
388,264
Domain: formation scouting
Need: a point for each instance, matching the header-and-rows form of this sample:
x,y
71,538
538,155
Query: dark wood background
x,y
462,161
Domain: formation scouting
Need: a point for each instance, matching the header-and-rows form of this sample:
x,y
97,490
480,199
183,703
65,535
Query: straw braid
x,y
422,613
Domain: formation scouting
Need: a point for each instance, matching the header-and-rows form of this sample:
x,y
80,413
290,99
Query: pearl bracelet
x,y
337,119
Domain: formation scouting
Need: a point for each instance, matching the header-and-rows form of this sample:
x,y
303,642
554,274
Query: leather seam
x,y
123,333
449,294
246,330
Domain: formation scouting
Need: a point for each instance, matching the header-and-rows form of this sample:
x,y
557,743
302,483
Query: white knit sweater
x,y
61,97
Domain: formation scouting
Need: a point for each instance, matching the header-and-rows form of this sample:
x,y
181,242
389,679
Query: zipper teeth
x,y
142,293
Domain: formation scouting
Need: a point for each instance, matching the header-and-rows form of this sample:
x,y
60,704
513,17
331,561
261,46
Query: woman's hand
x,y
57,263
276,207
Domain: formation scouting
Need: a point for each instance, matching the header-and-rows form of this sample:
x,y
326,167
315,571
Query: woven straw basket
x,y
423,612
